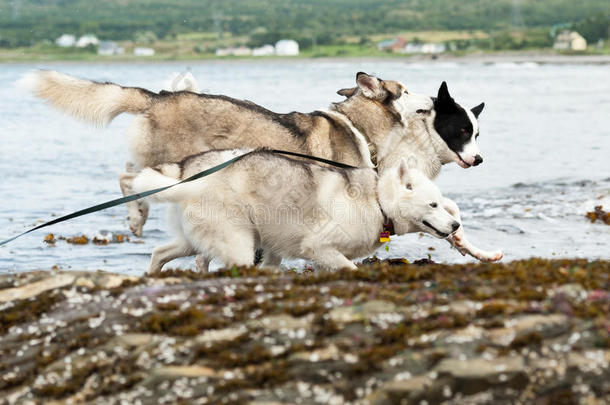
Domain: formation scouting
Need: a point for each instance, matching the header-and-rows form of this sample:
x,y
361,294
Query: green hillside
x,y
25,22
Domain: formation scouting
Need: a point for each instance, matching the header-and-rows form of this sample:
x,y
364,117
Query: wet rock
x,y
404,391
185,371
35,288
281,322
574,293
546,325
478,374
357,313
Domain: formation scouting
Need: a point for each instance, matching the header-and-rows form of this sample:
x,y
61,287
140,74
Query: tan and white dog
x,y
378,123
290,208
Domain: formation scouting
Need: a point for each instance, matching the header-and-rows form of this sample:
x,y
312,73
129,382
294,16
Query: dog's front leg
x,y
332,260
166,253
459,241
137,210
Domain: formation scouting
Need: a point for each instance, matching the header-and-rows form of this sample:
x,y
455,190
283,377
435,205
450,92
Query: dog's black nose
x,y
477,160
455,226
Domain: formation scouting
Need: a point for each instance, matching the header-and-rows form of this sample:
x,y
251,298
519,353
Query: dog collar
x,y
387,231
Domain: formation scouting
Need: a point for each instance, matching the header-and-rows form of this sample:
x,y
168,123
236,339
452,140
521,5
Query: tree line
x,y
25,22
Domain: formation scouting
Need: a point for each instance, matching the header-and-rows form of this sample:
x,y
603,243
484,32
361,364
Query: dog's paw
x,y
153,272
138,213
490,257
136,230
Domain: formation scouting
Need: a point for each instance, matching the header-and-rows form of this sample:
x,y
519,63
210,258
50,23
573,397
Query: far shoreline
x,y
537,57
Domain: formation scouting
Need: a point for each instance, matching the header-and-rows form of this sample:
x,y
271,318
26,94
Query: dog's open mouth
x,y
462,162
439,233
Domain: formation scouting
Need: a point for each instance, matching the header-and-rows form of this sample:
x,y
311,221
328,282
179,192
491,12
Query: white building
x,y
265,50
66,41
87,40
570,41
109,48
143,51
430,48
287,47
238,51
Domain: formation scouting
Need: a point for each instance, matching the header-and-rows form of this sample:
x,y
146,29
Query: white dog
x,y
290,208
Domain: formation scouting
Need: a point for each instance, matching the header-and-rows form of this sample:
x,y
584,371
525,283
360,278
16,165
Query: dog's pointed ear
x,y
369,85
443,93
393,89
403,174
477,110
347,92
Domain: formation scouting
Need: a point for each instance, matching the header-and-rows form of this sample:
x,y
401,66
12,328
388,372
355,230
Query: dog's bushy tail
x,y
95,103
161,176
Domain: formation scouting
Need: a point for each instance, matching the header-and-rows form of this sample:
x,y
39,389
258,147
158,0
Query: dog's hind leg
x,y
137,210
270,259
234,246
203,263
166,253
459,241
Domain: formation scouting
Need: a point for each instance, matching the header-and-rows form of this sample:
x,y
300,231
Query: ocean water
x,y
545,138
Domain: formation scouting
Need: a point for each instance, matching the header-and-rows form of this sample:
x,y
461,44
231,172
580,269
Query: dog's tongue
x,y
462,164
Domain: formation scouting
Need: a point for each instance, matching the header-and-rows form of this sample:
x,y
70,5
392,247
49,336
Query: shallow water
x,y
545,139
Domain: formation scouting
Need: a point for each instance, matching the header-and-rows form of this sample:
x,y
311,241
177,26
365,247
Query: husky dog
x,y
173,125
290,208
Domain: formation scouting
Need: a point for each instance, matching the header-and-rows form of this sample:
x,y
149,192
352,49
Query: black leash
x,y
133,197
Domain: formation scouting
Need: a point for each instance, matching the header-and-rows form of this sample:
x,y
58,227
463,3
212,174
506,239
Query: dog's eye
x,y
422,111
433,205
464,131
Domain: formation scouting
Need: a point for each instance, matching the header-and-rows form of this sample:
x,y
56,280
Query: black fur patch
x,y
452,121
453,125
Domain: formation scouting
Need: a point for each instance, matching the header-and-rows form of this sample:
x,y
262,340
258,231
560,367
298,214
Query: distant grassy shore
x,y
200,46
537,56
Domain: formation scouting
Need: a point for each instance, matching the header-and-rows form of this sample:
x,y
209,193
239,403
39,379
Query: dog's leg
x,y
459,241
331,259
166,253
203,263
234,246
137,210
270,259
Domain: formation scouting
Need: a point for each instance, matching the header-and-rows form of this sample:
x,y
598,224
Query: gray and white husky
x,y
290,208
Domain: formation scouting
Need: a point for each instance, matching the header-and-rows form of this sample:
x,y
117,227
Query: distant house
x,y
394,45
430,48
265,50
66,41
87,40
109,48
143,51
234,51
287,47
242,51
570,41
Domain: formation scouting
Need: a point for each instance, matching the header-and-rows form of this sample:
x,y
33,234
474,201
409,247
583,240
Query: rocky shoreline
x,y
534,331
